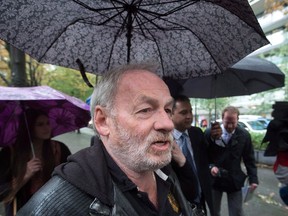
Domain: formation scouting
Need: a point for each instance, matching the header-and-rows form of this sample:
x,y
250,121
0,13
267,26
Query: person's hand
x,y
253,186
216,131
177,155
32,167
214,171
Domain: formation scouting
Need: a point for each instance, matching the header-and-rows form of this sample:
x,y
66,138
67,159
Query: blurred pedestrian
x,y
204,123
277,136
125,172
280,169
23,173
229,144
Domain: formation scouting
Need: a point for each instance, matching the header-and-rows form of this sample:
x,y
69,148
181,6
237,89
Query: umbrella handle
x,y
83,74
29,135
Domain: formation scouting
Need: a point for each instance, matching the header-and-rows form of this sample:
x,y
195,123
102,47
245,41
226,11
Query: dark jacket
x,y
24,194
199,146
229,158
85,186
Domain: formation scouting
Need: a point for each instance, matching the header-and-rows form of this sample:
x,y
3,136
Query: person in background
x,y
124,172
229,144
21,173
280,169
277,138
204,123
194,146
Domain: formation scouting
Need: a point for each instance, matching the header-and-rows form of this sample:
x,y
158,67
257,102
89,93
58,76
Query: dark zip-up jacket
x,y
85,186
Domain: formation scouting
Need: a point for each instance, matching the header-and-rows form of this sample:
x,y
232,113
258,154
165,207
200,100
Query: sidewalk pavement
x,y
265,201
76,140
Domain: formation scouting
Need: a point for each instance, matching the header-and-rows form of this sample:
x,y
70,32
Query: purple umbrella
x,y
65,113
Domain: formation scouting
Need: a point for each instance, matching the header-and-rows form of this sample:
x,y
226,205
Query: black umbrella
x,y
188,38
248,76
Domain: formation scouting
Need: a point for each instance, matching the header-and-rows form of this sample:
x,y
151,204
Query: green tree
x,y
279,56
213,107
70,81
18,69
273,5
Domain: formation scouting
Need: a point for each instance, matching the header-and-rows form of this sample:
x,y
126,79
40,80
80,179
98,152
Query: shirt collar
x,y
177,134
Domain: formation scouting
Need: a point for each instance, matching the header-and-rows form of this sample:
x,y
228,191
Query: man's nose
x,y
163,121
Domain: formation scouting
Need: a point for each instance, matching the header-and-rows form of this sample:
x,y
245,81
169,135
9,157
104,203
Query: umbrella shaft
x,y
129,28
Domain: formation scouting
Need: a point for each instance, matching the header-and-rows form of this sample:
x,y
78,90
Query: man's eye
x,y
146,110
168,111
184,113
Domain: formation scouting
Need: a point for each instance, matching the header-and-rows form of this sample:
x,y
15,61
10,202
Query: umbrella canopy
x,y
248,76
65,113
189,38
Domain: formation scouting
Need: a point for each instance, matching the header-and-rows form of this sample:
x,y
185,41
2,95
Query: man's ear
x,y
100,119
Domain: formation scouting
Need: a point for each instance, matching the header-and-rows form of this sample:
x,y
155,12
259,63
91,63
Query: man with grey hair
x,y
126,172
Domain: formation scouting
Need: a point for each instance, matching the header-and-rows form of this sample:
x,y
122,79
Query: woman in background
x,y
22,174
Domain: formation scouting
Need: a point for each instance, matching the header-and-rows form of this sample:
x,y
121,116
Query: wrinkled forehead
x,y
142,80
141,83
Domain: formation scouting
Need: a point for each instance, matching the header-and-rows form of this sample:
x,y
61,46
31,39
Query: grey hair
x,y
106,89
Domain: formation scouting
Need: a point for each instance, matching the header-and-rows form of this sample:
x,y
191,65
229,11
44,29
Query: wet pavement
x,y
265,201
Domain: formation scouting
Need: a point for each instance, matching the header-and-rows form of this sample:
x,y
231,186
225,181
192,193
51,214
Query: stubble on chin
x,y
135,152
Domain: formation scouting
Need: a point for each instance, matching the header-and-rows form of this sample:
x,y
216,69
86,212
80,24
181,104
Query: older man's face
x,y
140,135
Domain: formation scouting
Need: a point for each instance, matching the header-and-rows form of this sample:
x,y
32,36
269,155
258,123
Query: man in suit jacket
x,y
229,145
182,118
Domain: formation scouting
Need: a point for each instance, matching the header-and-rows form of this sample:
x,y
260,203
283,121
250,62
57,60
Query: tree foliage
x,y
5,75
69,81
273,5
279,56
62,79
18,69
212,108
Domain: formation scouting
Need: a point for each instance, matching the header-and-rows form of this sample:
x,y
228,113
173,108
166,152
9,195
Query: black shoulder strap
x,y
187,208
125,205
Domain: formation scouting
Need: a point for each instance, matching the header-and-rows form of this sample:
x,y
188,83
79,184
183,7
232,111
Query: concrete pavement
x,y
76,140
266,200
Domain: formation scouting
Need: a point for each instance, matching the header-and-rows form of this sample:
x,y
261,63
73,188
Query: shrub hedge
x,y
257,141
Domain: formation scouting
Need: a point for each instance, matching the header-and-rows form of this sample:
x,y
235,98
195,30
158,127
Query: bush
x,y
257,140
